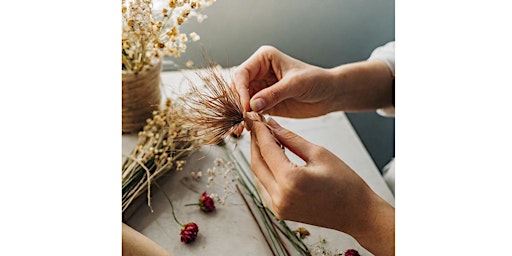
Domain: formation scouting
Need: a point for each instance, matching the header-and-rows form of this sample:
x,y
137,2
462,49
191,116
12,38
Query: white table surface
x,y
230,230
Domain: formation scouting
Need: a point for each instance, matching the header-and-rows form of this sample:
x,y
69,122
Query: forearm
x,y
361,86
378,236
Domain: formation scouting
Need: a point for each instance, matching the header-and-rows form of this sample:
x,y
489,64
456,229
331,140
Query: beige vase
x,y
141,96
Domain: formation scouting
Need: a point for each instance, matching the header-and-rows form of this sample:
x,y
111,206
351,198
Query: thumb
x,y
270,96
295,143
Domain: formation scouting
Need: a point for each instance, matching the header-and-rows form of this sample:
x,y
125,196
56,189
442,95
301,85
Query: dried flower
x,y
302,232
351,252
196,175
206,203
215,110
194,36
149,34
189,232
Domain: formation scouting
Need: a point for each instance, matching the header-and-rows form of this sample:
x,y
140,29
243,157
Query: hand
x,y
275,83
325,192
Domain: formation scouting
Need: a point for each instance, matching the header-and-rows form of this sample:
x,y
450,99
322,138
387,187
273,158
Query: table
x,y
230,230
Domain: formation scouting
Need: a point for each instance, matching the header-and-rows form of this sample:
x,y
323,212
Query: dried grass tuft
x,y
214,109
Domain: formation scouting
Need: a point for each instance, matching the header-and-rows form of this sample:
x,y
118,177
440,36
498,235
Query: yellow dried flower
x,y
183,38
185,13
180,20
124,9
172,3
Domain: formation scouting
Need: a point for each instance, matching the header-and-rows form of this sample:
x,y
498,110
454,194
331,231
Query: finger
x,y
269,97
250,118
295,143
256,66
241,84
239,129
260,168
272,153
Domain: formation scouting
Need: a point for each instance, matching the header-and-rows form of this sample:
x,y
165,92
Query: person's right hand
x,y
274,83
324,192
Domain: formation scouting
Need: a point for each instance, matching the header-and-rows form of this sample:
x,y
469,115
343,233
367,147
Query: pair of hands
x,y
325,192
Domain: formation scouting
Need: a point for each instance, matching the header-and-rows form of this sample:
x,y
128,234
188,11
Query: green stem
x,y
266,214
170,202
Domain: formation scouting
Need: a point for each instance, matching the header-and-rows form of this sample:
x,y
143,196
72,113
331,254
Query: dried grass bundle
x,y
215,110
162,145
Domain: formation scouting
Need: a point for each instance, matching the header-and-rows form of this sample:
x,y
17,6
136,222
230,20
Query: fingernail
x,y
272,123
257,105
248,123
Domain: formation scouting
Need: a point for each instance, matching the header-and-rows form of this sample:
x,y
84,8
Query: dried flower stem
x,y
162,146
250,188
255,219
170,202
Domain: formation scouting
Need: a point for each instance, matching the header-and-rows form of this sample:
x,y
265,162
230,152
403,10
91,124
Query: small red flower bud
x,y
189,232
206,203
351,252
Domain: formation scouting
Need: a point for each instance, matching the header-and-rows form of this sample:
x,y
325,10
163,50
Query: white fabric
x,y
388,172
386,53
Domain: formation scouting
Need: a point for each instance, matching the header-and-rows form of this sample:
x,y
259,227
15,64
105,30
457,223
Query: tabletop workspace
x,y
231,230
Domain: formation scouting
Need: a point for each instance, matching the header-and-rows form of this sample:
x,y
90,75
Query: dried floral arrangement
x,y
216,111
162,145
207,114
149,35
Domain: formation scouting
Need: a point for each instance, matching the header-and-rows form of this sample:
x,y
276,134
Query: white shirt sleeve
x,y
386,53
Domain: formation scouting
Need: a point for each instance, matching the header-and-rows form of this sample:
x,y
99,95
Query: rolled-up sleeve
x,y
386,53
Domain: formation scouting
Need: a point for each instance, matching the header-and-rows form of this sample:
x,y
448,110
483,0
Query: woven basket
x,y
141,96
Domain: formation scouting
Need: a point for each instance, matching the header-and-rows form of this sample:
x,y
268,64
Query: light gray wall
x,y
324,33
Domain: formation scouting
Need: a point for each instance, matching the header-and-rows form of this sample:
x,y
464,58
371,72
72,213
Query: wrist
x,y
376,232
361,86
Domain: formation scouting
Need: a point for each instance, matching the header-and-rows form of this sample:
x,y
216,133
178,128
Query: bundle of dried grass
x,y
215,110
162,145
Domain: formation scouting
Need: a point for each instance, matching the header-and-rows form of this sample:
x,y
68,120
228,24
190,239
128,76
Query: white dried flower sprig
x,y
225,170
162,146
150,34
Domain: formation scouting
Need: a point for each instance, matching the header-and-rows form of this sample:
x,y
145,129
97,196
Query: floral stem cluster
x,y
162,145
274,228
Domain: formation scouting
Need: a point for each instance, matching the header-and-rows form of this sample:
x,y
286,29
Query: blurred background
x,y
325,33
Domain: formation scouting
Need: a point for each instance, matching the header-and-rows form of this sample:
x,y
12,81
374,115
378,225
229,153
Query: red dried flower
x,y
206,203
351,252
189,232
